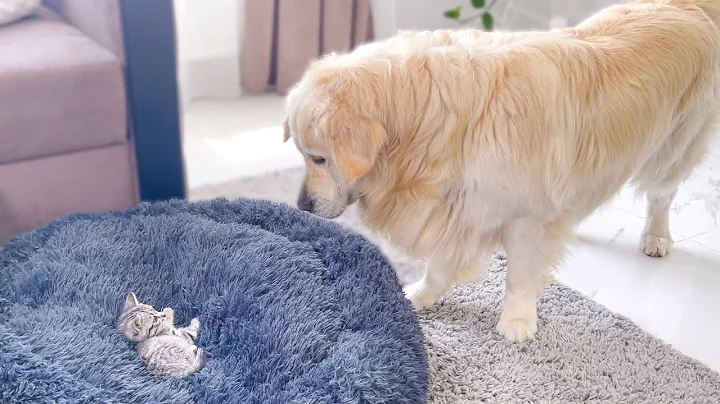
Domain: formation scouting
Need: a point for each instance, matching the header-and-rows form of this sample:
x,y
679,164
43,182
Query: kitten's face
x,y
140,321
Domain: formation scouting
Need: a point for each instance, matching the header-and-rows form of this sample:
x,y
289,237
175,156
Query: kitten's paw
x,y
517,329
656,245
195,323
169,315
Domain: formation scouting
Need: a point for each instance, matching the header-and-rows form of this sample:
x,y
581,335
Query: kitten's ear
x,y
131,301
137,323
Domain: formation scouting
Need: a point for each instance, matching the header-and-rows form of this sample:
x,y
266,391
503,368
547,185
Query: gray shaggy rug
x,y
583,353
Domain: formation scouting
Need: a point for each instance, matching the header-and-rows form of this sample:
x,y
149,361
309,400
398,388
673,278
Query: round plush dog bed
x,y
293,309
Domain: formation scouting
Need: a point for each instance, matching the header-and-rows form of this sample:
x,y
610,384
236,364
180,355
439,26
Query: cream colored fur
x,y
456,143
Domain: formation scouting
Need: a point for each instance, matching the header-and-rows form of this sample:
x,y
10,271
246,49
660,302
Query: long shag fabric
x,y
293,309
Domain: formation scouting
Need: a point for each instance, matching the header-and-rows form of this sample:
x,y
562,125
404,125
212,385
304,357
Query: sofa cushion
x,y
59,90
33,192
13,10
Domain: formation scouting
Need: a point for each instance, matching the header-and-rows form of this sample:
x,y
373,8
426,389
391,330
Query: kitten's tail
x,y
199,362
190,369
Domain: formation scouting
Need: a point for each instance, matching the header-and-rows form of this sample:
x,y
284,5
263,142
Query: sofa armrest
x,y
98,19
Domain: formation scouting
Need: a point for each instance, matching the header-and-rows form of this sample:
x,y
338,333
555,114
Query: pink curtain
x,y
282,36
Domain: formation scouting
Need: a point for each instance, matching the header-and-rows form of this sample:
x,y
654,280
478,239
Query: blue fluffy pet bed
x,y
293,309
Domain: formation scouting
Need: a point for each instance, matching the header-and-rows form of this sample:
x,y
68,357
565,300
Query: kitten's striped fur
x,y
166,350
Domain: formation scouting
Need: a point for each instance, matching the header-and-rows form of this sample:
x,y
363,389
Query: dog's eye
x,y
317,159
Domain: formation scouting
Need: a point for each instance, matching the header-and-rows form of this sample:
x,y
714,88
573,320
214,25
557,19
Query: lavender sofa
x,y
64,143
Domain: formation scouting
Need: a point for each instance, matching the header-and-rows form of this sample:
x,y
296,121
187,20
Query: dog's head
x,y
332,119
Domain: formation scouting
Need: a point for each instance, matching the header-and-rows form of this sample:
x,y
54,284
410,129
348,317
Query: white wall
x,y
208,47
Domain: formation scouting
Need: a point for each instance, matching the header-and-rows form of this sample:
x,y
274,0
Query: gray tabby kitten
x,y
166,350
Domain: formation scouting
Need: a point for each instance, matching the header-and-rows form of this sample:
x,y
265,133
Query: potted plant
x,y
481,11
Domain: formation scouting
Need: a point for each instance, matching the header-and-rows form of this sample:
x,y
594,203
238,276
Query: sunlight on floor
x,y
237,138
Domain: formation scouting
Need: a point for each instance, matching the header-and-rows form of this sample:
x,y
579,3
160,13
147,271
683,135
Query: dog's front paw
x,y
656,246
517,329
421,295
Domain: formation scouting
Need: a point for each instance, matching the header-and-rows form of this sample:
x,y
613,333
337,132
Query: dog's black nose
x,y
305,203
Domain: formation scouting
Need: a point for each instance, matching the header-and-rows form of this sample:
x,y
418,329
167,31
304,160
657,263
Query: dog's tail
x,y
711,8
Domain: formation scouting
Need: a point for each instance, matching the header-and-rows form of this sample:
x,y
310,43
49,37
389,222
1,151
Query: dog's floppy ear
x,y
286,131
354,140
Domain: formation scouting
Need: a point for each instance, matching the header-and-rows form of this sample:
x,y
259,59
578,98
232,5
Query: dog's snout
x,y
304,201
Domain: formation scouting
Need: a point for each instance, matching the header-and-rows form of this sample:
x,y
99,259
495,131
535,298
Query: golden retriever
x,y
455,143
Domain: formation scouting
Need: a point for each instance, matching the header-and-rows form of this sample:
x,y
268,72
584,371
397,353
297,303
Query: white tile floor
x,y
676,298
230,139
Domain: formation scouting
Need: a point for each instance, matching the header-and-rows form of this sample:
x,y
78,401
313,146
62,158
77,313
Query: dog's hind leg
x,y
534,250
660,179
656,239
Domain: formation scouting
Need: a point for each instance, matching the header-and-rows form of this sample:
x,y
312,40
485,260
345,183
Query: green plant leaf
x,y
487,21
478,3
453,13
